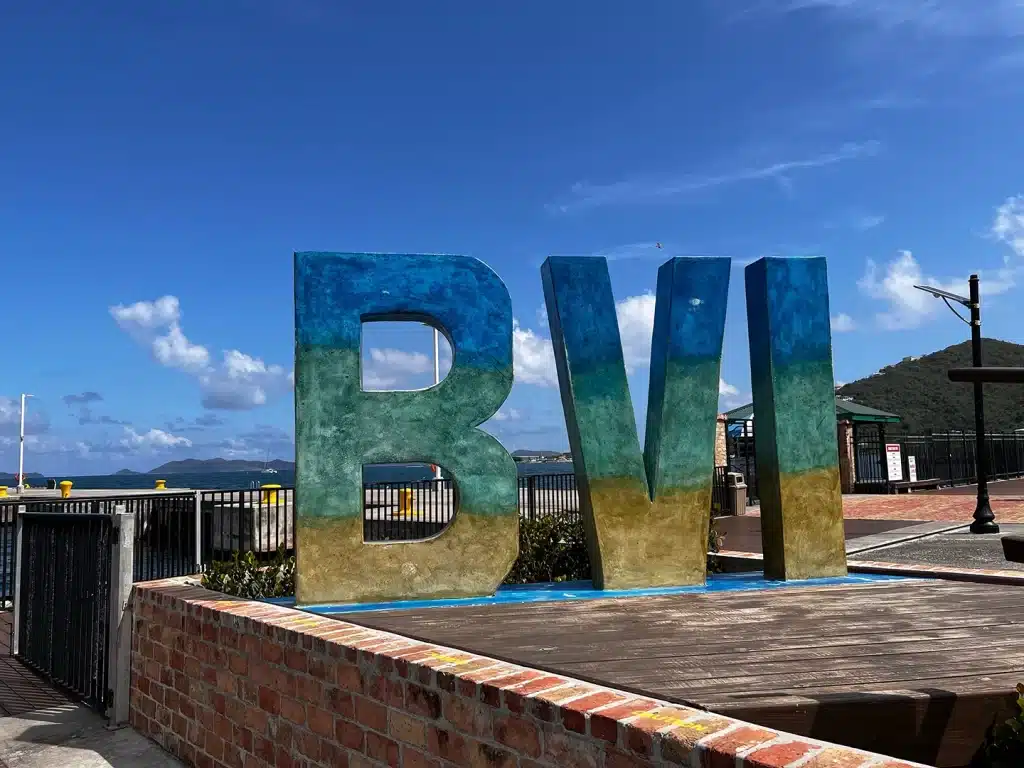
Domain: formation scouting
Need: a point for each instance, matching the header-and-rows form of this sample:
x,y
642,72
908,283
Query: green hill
x,y
918,390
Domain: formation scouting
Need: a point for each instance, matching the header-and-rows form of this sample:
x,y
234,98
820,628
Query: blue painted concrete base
x,y
584,590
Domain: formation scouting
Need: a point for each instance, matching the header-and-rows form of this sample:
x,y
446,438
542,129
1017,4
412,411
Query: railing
x,y
719,492
182,533
949,458
63,609
547,495
261,521
415,510
741,456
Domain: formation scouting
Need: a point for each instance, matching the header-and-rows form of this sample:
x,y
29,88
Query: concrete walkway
x,y
73,735
40,727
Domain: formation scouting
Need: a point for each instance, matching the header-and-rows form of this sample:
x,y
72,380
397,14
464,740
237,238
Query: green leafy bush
x,y
551,548
554,548
245,576
1004,745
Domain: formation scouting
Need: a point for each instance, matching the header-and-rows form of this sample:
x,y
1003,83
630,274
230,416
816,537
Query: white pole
x,y
437,380
21,449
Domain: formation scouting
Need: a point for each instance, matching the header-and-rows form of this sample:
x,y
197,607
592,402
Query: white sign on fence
x,y
912,468
893,461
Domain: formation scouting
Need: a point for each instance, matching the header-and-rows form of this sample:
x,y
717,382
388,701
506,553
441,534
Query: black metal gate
x,y
63,603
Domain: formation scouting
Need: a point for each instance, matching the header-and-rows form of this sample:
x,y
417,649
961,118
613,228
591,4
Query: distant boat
x,y
267,470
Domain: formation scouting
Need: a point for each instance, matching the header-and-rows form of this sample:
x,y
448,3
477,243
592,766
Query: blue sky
x,y
163,161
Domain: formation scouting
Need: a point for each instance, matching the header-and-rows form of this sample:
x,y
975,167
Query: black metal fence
x,y
719,492
740,455
546,495
64,601
262,520
258,520
415,510
948,458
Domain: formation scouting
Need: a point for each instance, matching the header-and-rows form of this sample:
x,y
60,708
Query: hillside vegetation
x,y
920,392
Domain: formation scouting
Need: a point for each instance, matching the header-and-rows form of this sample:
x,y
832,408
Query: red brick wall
x,y
225,682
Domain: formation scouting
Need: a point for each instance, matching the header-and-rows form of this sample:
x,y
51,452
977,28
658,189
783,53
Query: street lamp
x,y
21,447
984,519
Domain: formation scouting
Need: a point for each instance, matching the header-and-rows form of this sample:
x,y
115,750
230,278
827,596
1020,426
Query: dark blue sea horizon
x,y
398,473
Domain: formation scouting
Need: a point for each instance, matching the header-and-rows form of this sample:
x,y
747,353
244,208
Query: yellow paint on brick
x,y
665,719
438,656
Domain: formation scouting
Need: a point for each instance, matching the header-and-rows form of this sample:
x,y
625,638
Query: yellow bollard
x,y
161,485
65,489
3,491
405,501
269,495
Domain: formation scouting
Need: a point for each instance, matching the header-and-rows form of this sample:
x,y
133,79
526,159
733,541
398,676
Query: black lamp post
x,y
984,519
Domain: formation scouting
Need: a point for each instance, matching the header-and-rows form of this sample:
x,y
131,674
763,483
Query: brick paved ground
x,y
928,507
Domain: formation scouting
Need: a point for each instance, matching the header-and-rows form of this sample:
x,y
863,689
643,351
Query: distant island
x,y
205,466
5,475
540,457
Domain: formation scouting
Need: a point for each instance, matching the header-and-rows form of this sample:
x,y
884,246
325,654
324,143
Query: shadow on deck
x,y
21,690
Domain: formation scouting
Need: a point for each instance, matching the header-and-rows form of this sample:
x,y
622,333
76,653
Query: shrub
x,y
1004,744
553,548
244,576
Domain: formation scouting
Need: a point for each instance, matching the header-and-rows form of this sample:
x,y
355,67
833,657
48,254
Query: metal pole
x,y
21,449
198,541
437,380
18,586
984,519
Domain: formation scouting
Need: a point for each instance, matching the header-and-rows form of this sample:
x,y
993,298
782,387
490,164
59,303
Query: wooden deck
x,y
915,669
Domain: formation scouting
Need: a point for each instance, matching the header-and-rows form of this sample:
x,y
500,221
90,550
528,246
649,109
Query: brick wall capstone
x,y
219,681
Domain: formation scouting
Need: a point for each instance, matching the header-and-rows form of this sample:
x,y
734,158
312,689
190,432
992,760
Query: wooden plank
x,y
937,724
821,662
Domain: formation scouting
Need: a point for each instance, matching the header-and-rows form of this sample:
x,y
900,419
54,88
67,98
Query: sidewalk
x,y
923,507
42,728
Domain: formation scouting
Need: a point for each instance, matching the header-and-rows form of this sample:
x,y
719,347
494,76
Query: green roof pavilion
x,y
846,410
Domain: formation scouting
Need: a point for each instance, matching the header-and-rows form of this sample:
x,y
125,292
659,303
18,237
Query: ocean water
x,y
236,480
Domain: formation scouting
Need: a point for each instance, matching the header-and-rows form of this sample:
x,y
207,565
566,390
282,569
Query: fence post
x,y
120,632
16,574
199,531
531,497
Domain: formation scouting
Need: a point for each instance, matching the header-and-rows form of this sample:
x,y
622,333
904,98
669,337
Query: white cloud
x,y
175,351
585,195
944,18
36,419
153,440
1008,226
147,315
909,307
533,357
240,382
636,327
375,382
510,414
869,222
843,323
726,390
402,362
